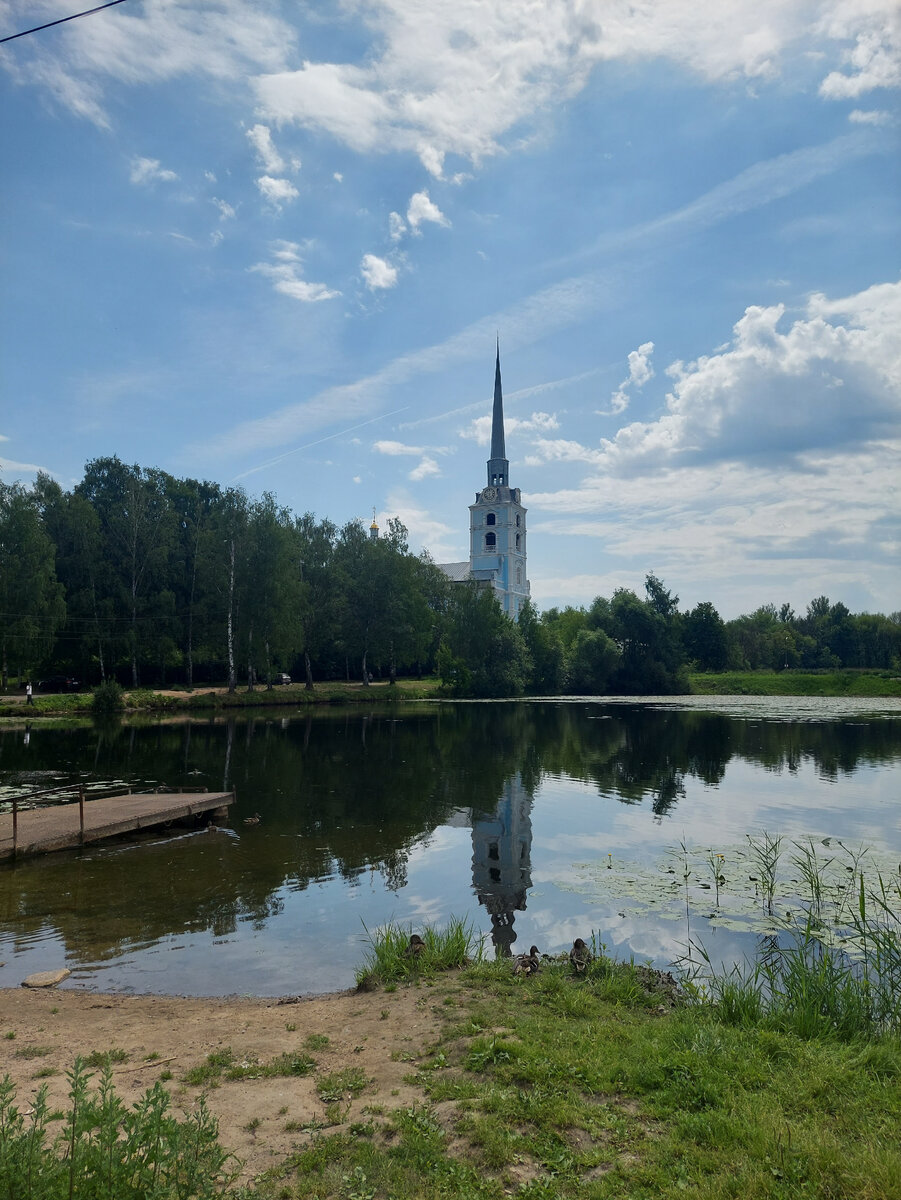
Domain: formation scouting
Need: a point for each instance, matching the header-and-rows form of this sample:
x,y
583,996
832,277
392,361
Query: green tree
x,y
32,601
483,653
545,652
591,663
704,637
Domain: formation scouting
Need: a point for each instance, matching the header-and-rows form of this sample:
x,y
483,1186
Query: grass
x,y
223,1065
796,683
571,1086
388,959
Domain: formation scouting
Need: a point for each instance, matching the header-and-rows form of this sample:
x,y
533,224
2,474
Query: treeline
x,y
138,576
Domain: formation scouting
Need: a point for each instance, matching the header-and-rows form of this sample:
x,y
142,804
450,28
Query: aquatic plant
x,y
389,959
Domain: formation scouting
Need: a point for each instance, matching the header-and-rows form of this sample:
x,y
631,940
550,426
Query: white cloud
x,y
377,273
209,176
396,226
426,468
226,212
432,160
357,479
875,116
479,429
277,192
396,448
421,208
451,77
819,383
285,273
147,170
640,371
271,161
338,177
875,61
774,467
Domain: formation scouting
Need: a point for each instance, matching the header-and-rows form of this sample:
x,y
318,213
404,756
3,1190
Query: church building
x,y
497,524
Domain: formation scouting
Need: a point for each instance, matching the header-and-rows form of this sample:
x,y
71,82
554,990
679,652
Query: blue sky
x,y
271,244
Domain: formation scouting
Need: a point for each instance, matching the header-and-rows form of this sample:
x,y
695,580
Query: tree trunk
x,y
268,668
308,670
232,676
365,672
250,658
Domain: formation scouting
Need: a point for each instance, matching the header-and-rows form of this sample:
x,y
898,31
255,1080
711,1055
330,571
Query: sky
x,y
273,245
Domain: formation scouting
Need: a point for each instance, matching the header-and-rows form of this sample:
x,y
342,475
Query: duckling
x,y
416,946
579,956
527,964
254,820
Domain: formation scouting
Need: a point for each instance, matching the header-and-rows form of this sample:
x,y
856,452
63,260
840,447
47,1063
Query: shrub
x,y
107,698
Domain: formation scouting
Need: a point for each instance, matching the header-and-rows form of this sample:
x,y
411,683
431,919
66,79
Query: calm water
x,y
537,821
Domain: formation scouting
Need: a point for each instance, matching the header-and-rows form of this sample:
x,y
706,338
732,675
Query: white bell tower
x,y
497,521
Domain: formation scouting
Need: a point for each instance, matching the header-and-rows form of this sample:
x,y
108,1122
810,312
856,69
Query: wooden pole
x,y
15,823
81,815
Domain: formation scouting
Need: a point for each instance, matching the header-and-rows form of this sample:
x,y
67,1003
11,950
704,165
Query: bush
x,y
107,698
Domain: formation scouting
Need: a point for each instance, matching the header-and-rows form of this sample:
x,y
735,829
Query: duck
x,y
416,946
527,964
254,820
579,956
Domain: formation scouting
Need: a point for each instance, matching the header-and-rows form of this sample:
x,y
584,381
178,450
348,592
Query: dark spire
x,y
498,466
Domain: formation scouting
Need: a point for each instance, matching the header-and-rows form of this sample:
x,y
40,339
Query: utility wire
x,y
62,20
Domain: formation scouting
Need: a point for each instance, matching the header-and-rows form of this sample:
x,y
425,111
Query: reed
x,y
388,959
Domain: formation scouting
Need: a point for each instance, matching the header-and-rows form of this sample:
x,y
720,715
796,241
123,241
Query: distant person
x,y
29,698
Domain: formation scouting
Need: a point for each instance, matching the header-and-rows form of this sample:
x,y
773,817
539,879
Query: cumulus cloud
x,y
640,371
148,170
285,273
277,192
271,161
396,226
875,62
780,447
426,468
453,78
421,209
377,273
830,377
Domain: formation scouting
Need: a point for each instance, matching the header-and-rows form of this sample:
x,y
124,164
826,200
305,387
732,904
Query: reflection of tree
x,y
344,793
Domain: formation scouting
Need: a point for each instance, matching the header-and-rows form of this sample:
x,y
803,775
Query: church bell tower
x,y
497,521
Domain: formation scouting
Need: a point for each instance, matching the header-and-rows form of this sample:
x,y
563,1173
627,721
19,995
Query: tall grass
x,y
834,972
106,1151
388,959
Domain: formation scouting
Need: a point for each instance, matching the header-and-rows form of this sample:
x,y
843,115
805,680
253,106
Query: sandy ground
x,y
376,1032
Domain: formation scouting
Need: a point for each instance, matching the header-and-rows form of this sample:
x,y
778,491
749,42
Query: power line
x,y
62,20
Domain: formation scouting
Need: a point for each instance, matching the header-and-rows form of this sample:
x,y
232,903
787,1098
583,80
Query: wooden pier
x,y
67,826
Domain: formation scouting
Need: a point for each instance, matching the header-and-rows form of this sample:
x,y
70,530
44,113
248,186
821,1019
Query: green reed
x,y
834,969
388,959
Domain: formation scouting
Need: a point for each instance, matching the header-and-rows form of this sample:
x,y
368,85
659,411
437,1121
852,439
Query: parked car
x,y
282,677
58,683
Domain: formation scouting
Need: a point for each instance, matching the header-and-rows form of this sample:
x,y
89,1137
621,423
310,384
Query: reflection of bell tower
x,y
502,859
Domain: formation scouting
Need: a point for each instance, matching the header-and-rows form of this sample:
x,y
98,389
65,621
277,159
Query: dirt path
x,y
375,1033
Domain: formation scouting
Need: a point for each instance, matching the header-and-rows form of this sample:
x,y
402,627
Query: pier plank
x,y
42,830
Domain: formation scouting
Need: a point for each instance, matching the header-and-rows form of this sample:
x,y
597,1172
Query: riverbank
x,y
479,1083
874,684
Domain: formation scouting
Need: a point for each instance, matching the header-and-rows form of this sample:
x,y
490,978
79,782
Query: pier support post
x,y
81,815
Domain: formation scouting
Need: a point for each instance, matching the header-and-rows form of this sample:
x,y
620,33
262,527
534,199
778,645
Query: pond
x,y
536,821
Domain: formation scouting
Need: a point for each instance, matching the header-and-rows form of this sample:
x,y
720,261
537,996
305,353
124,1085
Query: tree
x,y
545,652
32,600
317,599
483,653
704,637
591,663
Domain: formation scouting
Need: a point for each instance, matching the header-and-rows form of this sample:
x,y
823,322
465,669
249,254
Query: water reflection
x,y
483,811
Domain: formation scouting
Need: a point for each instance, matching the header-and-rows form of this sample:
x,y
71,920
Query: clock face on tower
x,y
489,493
